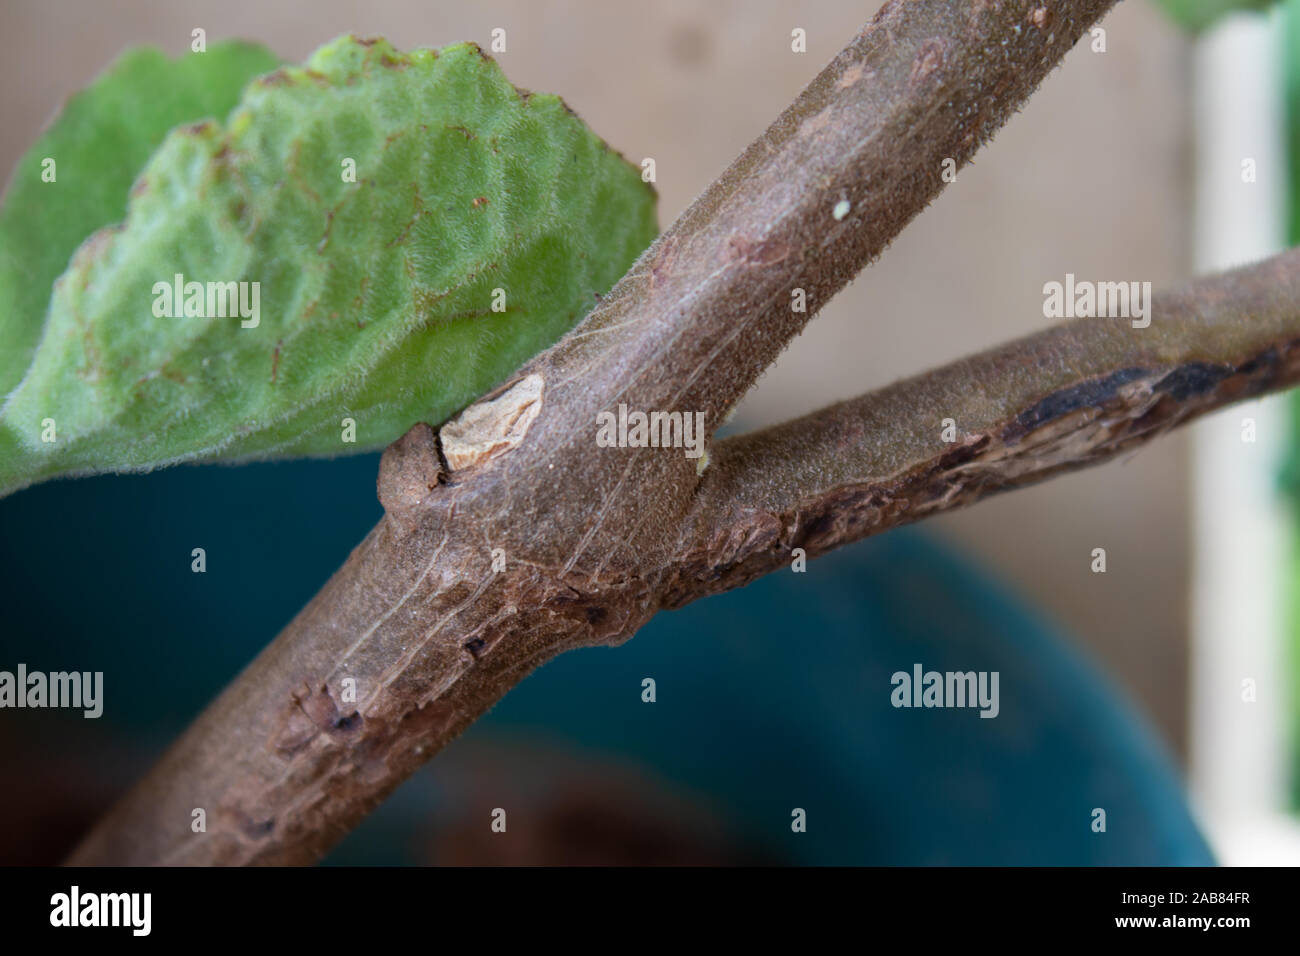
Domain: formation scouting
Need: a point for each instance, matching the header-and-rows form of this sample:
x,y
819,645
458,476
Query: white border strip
x,y
1241,531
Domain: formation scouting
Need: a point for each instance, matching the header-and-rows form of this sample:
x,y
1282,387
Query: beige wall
x,y
1091,178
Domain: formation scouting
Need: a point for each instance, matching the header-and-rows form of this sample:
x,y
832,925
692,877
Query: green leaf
x,y
481,224
1196,15
98,144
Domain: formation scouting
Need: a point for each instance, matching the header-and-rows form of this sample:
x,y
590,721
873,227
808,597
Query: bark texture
x,y
536,539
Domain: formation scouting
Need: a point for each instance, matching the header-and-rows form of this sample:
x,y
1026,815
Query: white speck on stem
x,y
841,209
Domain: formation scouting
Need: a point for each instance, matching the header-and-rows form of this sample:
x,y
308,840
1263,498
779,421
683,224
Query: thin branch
x,y
422,621
1067,398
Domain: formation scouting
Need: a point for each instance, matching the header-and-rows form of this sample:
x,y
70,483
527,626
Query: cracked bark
x,y
596,540
1075,395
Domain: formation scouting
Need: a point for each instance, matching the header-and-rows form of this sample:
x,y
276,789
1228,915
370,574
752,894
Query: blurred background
x,y
1125,164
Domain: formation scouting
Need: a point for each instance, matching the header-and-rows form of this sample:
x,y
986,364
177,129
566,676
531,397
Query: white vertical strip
x,y
1239,756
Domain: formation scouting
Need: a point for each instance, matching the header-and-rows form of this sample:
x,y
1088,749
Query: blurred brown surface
x,y
1092,178
570,808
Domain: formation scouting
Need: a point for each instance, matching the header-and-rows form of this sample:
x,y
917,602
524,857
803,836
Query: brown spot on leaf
x,y
278,77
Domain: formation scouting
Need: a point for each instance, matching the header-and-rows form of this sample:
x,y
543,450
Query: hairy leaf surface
x,y
481,224
97,145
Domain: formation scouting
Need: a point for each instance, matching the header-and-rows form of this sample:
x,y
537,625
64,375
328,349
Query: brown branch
x,y
420,622
708,307
1073,396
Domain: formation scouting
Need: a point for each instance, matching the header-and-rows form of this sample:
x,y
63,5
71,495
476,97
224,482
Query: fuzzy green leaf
x,y
480,225
98,144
